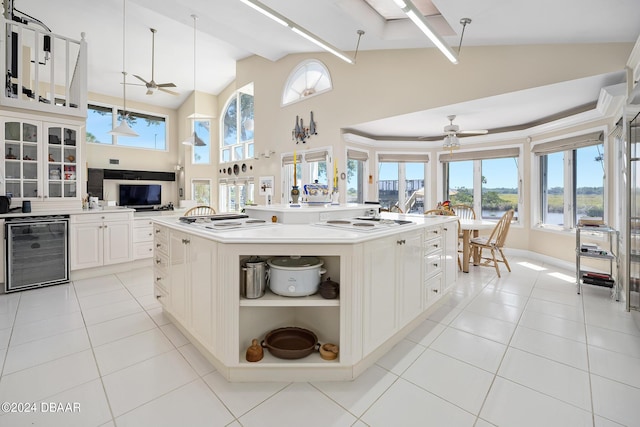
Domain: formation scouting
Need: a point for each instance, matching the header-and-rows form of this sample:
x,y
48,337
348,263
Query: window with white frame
x,y
201,154
152,129
357,163
309,78
236,126
571,180
235,194
311,167
401,181
488,180
201,191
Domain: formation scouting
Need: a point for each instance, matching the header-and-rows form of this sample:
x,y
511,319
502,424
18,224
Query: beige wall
x,y
389,83
381,84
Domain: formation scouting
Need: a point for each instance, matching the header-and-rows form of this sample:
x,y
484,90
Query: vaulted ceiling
x,y
228,30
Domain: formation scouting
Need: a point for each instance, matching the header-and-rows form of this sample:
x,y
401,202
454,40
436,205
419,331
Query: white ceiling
x,y
229,30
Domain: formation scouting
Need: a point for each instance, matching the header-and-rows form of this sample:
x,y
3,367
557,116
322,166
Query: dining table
x,y
468,227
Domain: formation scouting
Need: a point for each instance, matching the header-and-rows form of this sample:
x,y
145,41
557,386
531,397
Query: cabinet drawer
x,y
143,234
432,263
430,233
433,244
99,217
433,287
142,222
161,263
161,295
142,250
161,233
160,280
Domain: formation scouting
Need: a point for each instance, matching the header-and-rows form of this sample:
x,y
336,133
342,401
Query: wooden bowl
x,y
329,351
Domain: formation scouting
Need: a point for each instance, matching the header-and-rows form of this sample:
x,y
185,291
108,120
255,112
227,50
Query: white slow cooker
x,y
295,276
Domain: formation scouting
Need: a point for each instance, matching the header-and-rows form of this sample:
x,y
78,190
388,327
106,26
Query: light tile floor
x,y
522,350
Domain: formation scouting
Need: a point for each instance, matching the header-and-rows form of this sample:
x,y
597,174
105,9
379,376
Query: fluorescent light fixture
x,y
324,45
266,11
282,20
421,22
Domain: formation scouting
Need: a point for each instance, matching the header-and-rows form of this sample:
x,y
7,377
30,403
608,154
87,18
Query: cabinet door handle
x,y
105,226
435,246
445,229
158,261
186,241
158,296
158,279
157,230
435,264
401,242
150,234
158,245
435,290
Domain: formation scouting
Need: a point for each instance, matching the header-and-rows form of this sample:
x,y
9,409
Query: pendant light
x,y
123,128
194,139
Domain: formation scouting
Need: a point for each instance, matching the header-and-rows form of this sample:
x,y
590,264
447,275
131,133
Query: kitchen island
x,y
389,276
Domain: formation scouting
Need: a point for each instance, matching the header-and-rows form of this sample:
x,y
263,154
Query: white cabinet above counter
x,y
387,278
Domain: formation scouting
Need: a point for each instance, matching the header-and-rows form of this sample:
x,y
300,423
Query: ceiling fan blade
x,y
133,84
141,79
166,85
168,91
473,132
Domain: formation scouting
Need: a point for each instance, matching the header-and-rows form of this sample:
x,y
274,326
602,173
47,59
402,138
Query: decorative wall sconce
x,y
266,154
301,133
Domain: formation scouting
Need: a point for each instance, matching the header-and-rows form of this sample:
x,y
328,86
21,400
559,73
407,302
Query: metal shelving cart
x,y
609,256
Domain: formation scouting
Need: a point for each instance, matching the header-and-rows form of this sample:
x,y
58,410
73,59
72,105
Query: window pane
x,y
201,154
202,192
230,135
246,104
499,187
151,131
355,180
413,200
589,181
388,184
553,188
461,183
318,171
99,123
226,155
238,152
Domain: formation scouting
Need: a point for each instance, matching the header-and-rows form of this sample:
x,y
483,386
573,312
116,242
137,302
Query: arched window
x,y
236,141
309,78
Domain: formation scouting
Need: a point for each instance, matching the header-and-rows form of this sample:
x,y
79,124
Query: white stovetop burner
x,y
363,224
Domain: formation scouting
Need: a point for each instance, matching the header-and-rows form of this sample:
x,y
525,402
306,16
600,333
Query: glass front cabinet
x,y
40,160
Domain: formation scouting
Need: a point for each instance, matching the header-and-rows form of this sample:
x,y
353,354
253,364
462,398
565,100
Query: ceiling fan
x,y
151,85
451,129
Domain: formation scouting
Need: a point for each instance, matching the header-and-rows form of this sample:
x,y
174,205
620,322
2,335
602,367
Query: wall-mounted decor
x,y
300,133
265,185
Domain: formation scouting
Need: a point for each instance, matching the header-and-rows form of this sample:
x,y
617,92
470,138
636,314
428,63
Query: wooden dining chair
x,y
464,211
439,212
494,243
200,210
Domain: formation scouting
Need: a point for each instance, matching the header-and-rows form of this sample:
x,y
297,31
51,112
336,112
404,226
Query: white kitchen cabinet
x,y
393,286
2,254
41,159
100,239
191,285
142,238
450,255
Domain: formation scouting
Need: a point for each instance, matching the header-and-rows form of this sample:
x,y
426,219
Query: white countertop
x,y
304,233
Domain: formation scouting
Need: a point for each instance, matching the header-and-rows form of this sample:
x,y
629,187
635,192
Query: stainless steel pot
x,y
254,278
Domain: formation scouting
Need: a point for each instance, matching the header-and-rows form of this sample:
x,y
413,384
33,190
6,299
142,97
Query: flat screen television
x,y
140,195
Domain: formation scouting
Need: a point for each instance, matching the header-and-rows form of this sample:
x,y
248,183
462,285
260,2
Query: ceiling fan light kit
x,y
151,85
421,22
301,31
451,140
123,128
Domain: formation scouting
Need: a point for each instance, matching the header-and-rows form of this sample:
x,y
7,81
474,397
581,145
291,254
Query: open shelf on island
x,y
273,300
